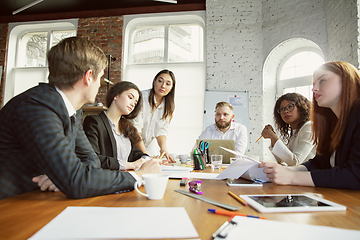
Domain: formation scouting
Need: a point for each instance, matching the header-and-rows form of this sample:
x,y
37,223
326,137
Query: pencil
x,y
238,198
228,213
161,156
258,139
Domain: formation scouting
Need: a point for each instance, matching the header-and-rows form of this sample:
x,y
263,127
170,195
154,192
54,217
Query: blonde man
x,y
225,128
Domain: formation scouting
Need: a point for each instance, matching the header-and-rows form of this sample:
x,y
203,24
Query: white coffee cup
x,y
183,158
155,185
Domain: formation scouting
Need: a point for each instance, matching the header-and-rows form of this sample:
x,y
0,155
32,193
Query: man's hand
x,y
150,166
45,183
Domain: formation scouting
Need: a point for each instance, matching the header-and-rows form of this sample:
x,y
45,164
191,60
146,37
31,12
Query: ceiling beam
x,y
104,13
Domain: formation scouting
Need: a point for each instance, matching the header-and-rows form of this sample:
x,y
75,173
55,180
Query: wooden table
x,y
23,215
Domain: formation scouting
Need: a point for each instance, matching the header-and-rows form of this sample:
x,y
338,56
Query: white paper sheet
x,y
174,171
241,155
112,222
236,169
248,228
246,169
204,175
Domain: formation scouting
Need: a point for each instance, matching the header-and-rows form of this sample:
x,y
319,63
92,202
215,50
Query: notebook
x,y
214,148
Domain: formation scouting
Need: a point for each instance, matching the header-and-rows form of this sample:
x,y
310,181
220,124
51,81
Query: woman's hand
x,y
297,175
268,132
169,157
277,173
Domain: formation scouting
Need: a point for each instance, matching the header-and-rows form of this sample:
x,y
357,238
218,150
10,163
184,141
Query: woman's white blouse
x,y
123,146
150,124
299,149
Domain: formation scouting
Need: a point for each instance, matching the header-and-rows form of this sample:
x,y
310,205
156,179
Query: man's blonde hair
x,y
224,104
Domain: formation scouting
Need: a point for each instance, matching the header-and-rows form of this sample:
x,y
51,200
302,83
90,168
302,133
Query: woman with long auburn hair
x,y
157,112
336,131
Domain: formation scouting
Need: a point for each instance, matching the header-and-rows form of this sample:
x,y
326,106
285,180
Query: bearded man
x,y
225,128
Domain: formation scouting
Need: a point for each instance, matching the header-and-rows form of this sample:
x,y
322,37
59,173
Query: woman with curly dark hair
x,y
292,121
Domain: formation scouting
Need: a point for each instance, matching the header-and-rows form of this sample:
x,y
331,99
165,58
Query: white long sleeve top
x,y
299,149
149,124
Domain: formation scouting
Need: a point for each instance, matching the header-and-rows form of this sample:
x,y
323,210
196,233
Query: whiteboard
x,y
240,102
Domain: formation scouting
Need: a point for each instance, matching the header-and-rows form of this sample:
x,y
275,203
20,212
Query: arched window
x,y
296,70
173,41
288,68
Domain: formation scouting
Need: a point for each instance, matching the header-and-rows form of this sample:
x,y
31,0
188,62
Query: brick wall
x,y
342,30
107,33
283,19
235,53
3,50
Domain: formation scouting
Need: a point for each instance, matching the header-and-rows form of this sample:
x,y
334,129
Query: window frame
x,y
163,20
21,48
16,32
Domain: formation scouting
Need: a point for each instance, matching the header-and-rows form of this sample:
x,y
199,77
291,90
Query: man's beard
x,y
222,125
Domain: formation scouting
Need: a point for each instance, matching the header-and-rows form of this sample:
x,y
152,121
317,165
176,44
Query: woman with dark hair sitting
x,y
111,134
292,121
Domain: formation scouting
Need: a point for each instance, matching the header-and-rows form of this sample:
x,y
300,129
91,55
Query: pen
x,y
223,231
228,213
161,156
220,229
238,198
258,139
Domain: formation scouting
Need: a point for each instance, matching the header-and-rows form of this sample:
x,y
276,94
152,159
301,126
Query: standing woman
x,y
157,112
111,134
336,130
292,121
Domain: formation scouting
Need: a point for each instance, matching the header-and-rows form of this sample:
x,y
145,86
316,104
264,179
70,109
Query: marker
x,y
228,213
238,198
258,139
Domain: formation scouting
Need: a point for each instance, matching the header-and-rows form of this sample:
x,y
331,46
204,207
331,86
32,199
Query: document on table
x,y
201,175
248,228
174,171
246,168
113,222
